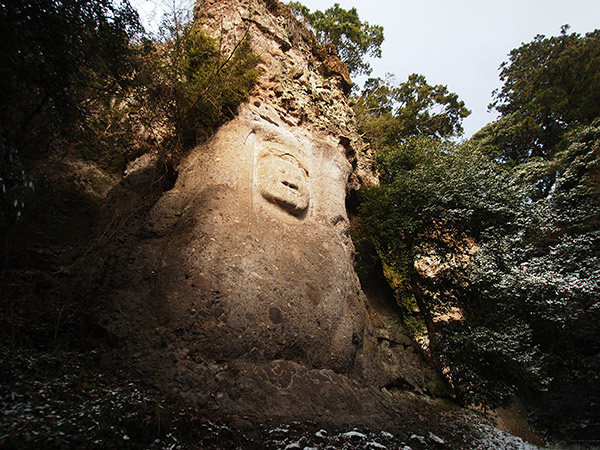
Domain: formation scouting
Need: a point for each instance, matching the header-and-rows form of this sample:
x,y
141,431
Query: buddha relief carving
x,y
283,181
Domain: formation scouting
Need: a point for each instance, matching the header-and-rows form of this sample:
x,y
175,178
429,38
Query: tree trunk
x,y
420,299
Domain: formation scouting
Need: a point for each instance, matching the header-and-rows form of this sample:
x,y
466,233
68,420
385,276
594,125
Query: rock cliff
x,y
237,290
213,303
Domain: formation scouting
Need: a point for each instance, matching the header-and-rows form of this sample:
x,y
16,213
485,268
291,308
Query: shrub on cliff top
x,y
194,86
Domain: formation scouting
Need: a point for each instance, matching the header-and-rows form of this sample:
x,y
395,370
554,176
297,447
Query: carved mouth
x,y
290,185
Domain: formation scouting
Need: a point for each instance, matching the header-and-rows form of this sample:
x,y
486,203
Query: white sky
x,y
458,43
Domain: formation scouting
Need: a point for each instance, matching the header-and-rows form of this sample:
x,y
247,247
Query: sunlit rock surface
x,y
237,292
256,225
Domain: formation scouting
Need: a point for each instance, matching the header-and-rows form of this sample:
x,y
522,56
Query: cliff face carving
x,y
242,296
257,224
257,221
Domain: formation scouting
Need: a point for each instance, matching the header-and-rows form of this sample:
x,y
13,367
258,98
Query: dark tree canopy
x,y
57,57
56,53
551,85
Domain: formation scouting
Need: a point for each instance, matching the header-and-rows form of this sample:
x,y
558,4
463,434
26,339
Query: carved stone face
x,y
282,180
251,259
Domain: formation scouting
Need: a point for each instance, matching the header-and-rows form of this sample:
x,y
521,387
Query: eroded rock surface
x,y
256,224
238,292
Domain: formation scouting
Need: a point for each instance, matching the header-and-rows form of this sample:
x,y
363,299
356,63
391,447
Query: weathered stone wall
x,y
238,292
303,83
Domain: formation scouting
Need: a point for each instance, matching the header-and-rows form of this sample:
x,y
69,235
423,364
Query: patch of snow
x,y
435,438
421,439
353,435
493,438
374,444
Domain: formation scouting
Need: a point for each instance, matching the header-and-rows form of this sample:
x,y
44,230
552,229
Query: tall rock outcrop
x,y
237,291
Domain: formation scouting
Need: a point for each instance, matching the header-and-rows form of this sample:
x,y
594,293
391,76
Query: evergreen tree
x,y
503,229
560,286
452,226
551,85
389,113
353,38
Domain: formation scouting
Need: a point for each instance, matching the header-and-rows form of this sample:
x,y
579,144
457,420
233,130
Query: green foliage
x,y
548,138
427,186
503,229
419,198
560,284
353,38
551,85
193,85
213,84
550,280
486,363
389,113
406,301
576,195
57,57
548,134
444,220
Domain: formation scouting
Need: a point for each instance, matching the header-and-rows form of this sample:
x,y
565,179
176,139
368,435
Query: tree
x,y
353,38
389,113
451,224
441,215
501,231
58,53
192,84
551,85
57,57
559,284
548,137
